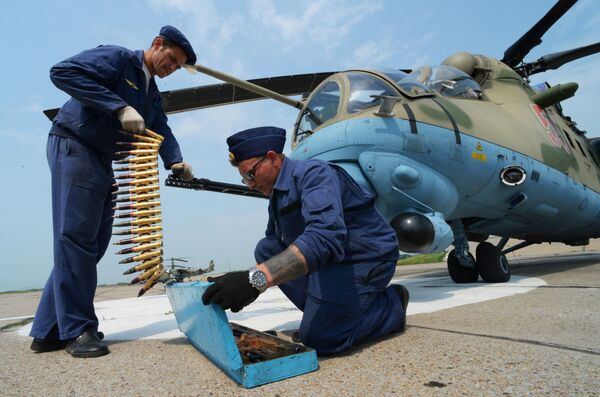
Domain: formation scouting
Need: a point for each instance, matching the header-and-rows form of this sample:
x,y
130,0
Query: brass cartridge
x,y
144,265
140,248
138,222
138,230
136,167
140,239
142,257
138,174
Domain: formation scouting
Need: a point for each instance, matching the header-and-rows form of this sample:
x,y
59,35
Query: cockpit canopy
x,y
322,107
363,90
448,81
355,91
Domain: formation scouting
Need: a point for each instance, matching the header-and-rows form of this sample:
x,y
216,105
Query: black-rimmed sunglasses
x,y
251,174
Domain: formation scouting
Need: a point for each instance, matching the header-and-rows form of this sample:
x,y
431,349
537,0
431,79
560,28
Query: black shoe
x,y
404,296
87,345
47,345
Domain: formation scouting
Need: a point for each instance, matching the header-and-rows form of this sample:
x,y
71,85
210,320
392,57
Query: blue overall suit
x,y
351,253
80,148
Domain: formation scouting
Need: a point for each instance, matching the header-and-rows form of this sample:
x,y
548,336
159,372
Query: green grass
x,y
425,258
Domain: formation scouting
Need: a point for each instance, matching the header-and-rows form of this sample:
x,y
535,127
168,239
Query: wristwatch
x,y
258,279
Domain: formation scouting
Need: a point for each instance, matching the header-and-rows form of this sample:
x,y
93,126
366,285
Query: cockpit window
x,y
322,107
407,83
448,81
362,88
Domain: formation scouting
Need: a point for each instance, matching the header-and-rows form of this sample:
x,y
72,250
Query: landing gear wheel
x,y
492,265
458,273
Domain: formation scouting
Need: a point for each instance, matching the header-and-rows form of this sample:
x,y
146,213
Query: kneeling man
x,y
326,247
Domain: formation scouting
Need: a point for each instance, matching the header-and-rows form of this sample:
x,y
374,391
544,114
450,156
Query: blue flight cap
x,y
255,142
177,38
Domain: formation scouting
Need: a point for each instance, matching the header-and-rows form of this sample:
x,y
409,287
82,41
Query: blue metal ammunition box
x,y
250,357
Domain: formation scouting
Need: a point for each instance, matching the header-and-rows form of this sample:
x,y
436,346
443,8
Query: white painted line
x,y
151,317
15,318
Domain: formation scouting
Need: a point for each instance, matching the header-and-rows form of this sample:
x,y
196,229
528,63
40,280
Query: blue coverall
x,y
350,249
81,144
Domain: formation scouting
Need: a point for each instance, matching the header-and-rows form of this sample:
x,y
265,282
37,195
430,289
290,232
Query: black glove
x,y
230,291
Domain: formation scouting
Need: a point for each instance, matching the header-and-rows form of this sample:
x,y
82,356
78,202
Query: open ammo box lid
x,y
260,359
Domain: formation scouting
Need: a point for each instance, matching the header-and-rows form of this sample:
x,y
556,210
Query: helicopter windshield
x,y
362,88
407,83
448,81
322,107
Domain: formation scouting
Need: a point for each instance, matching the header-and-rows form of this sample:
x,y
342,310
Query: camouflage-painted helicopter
x,y
454,153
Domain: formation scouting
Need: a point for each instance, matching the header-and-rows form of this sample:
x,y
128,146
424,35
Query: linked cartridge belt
x,y
139,192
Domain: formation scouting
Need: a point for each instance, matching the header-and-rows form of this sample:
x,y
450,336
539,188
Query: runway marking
x,y
520,340
152,318
16,318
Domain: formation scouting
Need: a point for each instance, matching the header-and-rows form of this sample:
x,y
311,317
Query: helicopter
x,y
177,273
454,153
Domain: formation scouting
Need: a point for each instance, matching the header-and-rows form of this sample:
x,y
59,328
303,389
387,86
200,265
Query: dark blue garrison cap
x,y
255,142
177,38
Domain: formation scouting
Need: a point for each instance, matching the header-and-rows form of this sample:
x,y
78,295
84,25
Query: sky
x,y
249,39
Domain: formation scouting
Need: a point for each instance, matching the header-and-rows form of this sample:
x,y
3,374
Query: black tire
x,y
492,265
458,273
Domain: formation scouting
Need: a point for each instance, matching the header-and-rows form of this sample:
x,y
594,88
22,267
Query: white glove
x,y
182,171
131,120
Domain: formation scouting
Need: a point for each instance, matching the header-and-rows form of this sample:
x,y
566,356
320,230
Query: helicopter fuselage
x,y
493,159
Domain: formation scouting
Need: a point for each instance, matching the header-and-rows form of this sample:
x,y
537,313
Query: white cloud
x,y
203,24
390,51
371,53
323,23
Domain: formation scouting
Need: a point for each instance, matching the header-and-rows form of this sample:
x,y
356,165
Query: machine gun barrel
x,y
213,186
245,84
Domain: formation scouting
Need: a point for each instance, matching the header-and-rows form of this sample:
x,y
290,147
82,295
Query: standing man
x,y
111,88
326,246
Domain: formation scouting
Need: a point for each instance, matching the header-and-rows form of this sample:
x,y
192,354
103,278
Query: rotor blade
x,y
557,59
515,53
223,94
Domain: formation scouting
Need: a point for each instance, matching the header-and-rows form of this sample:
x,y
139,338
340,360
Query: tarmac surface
x,y
542,342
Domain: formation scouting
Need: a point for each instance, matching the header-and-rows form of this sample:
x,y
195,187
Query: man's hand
x,y
182,171
230,291
131,120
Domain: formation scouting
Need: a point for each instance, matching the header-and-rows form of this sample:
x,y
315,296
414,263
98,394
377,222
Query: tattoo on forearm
x,y
288,265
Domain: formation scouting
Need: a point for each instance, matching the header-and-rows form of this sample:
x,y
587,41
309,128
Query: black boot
x,y
404,296
87,345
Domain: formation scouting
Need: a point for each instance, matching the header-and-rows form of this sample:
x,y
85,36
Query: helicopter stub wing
x,y
225,93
